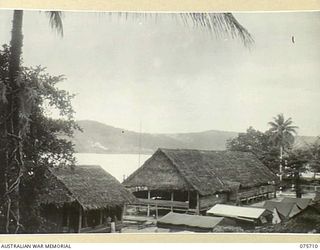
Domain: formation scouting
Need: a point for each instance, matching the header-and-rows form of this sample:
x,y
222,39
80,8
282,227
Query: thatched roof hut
x,y
196,180
90,186
82,199
206,172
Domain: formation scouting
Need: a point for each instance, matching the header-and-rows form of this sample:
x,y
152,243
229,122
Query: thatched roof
x,y
205,171
91,186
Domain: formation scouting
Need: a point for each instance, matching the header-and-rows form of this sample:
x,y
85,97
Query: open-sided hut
x,y
196,180
82,199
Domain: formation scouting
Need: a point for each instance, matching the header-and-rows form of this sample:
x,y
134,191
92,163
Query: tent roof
x,y
176,219
236,211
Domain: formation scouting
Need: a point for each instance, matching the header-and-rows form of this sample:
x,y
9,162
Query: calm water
x,y
117,165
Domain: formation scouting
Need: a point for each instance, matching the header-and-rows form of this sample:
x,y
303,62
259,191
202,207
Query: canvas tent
x,y
177,221
247,215
286,208
302,203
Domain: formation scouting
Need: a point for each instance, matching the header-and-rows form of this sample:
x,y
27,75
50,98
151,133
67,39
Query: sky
x,y
172,78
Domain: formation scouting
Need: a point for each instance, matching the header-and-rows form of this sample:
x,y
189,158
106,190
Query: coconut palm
x,y
282,134
13,129
16,123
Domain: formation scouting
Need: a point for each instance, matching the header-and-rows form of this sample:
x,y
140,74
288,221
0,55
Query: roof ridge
x,y
192,149
140,168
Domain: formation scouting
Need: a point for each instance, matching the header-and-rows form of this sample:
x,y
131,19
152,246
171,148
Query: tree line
x,y
275,148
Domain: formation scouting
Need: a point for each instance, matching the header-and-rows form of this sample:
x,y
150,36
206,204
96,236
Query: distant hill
x,y
101,138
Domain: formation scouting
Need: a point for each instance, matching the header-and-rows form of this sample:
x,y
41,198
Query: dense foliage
x,y
46,140
258,143
265,146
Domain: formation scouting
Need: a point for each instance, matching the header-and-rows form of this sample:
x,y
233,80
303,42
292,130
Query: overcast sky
x,y
180,79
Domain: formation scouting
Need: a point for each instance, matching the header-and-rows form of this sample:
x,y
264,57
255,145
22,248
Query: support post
x,y
68,219
198,204
85,219
148,208
123,212
188,199
80,219
172,201
101,217
156,211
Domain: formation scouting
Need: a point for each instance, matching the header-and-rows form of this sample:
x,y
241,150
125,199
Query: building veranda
x,y
195,180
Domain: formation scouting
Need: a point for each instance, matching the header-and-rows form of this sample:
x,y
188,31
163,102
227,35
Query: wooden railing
x,y
310,188
162,203
104,228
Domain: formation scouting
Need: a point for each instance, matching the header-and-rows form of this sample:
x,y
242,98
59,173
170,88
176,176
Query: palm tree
x,y
11,159
14,126
282,134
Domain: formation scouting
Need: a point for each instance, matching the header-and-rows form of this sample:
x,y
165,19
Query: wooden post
x,y
172,201
101,217
68,219
85,219
80,219
156,211
188,199
148,208
198,204
123,212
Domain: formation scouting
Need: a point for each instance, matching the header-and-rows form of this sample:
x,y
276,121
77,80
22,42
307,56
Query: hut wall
x,y
54,216
244,193
211,200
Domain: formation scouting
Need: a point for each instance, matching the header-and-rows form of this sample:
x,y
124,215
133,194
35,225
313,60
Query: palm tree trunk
x,y
14,127
280,165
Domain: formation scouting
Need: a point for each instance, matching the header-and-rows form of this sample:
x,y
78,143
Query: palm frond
x,y
55,20
220,24
217,23
273,125
288,122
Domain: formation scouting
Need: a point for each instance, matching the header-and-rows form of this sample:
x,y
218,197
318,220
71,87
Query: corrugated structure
x,y
244,216
82,197
200,179
196,223
236,211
